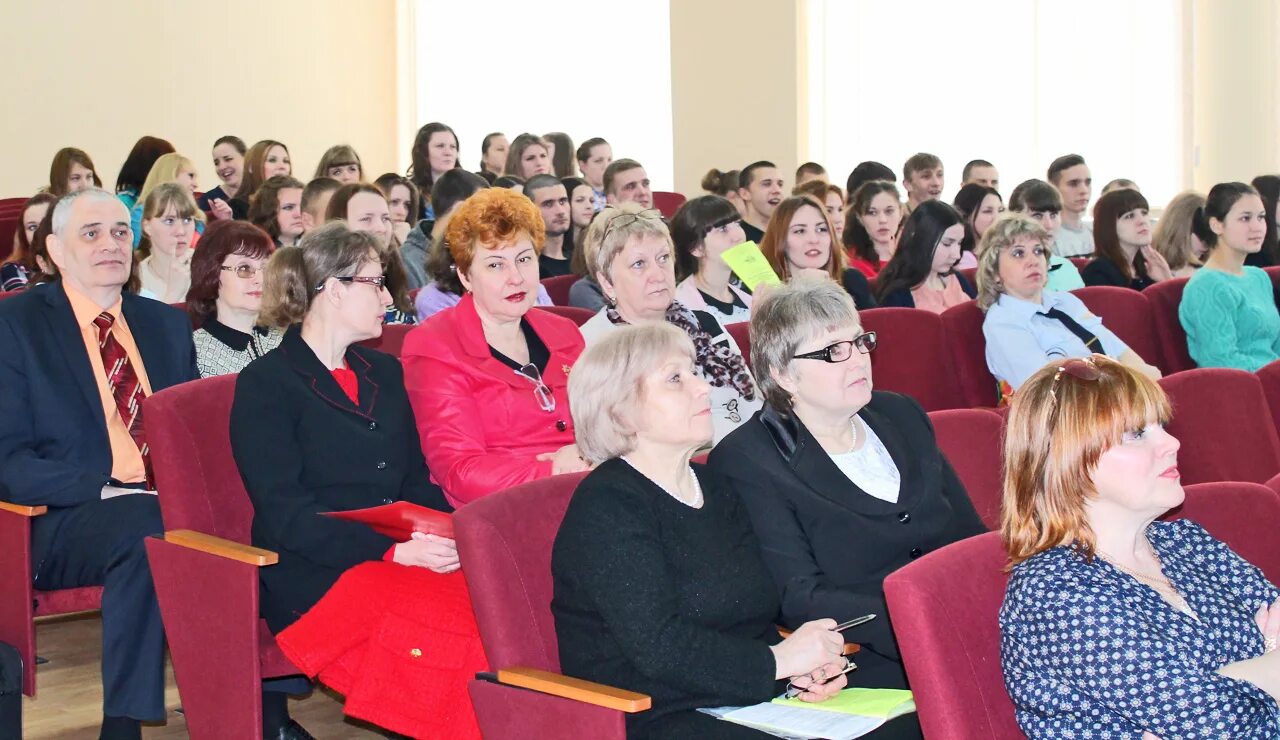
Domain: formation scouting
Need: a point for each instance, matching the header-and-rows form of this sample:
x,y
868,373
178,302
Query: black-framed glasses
x,y
244,272
841,351
546,399
378,282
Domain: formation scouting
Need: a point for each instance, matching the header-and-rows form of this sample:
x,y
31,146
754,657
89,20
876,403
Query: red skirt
x,y
399,643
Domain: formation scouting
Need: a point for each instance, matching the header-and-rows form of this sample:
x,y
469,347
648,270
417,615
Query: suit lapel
x,y
66,332
150,343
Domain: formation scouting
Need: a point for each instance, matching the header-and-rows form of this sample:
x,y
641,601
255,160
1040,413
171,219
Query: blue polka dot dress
x,y
1088,651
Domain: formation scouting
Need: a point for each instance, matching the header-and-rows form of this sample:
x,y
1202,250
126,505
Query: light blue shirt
x,y
1020,340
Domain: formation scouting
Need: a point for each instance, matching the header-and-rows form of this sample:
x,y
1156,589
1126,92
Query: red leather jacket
x,y
480,423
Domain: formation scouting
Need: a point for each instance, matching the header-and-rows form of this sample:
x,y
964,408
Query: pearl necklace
x,y
697,488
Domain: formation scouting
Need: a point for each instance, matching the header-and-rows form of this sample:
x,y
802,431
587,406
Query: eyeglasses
x,y
841,351
546,400
244,272
377,282
627,219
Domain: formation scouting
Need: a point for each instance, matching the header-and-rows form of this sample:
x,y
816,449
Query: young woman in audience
x,y
659,585
435,152
487,377
447,193
871,226
562,151
228,165
364,208
1175,237
978,205
277,209
493,156
725,185
23,262
72,170
832,199
702,230
341,163
530,155
322,424
1228,309
169,168
922,273
1268,187
403,201
136,167
830,470
169,218
1042,203
631,254
1026,324
263,161
1115,624
1122,243
581,205
225,298
798,241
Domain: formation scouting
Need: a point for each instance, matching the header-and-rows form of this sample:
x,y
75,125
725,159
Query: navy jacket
x,y
54,449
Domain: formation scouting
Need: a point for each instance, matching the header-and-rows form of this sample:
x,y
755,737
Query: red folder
x,y
400,520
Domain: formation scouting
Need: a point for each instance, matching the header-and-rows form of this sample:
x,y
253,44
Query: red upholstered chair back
x,y
668,203
577,315
1080,262
392,339
1274,273
1243,515
1223,421
1126,312
945,608
971,440
912,357
1164,298
1269,375
188,427
741,333
558,288
963,330
504,543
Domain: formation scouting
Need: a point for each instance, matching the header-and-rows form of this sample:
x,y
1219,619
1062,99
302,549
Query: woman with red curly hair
x,y
488,377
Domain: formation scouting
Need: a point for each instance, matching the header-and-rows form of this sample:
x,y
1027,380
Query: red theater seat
x,y
1164,298
971,440
963,325
1127,313
741,333
577,315
912,357
392,339
558,288
668,203
1222,418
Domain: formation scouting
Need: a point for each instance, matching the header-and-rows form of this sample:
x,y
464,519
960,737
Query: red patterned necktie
x,y
125,387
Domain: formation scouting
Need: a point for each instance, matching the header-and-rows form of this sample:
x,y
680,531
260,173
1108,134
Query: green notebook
x,y
883,703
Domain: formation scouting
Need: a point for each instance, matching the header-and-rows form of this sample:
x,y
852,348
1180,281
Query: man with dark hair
x,y
1071,176
594,156
982,172
760,188
922,179
551,197
80,356
810,171
625,181
866,172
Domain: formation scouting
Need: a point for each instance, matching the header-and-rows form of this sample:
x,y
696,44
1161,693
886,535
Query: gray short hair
x,y
616,225
62,209
787,316
607,382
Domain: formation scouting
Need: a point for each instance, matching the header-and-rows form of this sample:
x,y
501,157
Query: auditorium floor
x,y
68,703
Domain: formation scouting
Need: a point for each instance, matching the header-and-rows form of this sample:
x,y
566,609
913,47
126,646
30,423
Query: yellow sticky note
x,y
882,703
749,264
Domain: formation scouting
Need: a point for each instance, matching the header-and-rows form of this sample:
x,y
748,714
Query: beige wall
x,y
97,75
728,117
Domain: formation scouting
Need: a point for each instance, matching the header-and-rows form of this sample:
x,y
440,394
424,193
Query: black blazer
x,y
54,449
303,448
828,544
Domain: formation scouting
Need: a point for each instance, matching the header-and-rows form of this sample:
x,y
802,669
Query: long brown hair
x,y
254,161
1058,427
1106,240
774,243
264,207
60,169
22,252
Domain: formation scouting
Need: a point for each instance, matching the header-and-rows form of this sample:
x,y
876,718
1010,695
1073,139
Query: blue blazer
x,y
54,449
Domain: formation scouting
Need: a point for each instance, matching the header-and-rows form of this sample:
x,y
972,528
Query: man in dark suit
x,y
79,357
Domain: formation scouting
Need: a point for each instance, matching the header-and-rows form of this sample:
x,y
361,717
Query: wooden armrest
x,y
22,510
220,547
575,688
849,647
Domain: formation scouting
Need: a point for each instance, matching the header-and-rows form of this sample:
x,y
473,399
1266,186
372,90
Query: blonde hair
x,y
613,228
998,237
607,385
165,169
1172,237
1058,427
162,197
